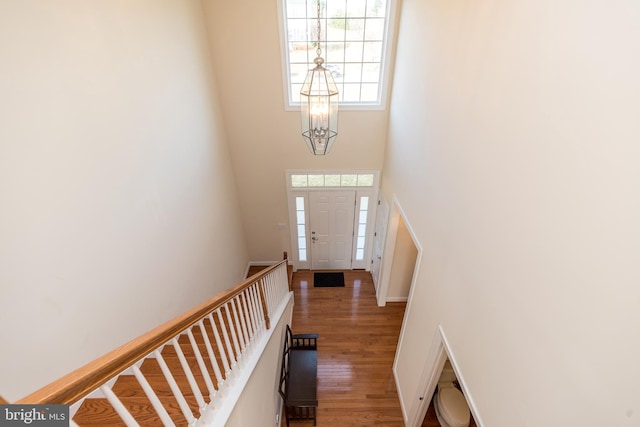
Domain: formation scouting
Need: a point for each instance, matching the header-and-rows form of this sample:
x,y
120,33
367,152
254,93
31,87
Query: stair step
x,y
188,352
99,412
186,347
128,386
152,372
151,366
171,357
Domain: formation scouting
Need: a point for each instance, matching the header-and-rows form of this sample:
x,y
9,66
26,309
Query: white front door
x,y
331,225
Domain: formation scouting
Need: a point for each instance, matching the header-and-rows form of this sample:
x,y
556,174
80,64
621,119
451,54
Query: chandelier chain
x,y
318,50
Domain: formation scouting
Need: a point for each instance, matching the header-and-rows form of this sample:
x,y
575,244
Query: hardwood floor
x,y
356,347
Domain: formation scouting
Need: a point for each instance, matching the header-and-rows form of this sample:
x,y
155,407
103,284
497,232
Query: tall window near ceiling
x,y
355,42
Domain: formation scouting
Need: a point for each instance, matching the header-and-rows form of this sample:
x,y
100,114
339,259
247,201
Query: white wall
x,y
260,401
516,124
117,204
265,139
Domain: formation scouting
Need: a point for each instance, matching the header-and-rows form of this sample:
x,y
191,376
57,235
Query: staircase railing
x,y
221,332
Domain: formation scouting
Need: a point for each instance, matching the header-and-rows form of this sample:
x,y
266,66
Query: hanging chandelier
x,y
319,105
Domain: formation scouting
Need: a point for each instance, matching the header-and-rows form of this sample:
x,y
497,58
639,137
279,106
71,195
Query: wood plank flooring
x,y
356,347
306,319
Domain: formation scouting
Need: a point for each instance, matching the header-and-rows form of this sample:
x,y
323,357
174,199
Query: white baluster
x,y
241,337
207,412
274,293
182,403
256,307
153,398
256,291
216,335
233,333
212,355
264,297
202,405
225,334
281,281
284,281
246,325
255,320
259,311
251,314
119,407
268,292
246,303
265,293
201,364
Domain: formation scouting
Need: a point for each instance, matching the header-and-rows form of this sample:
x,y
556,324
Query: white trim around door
x,y
301,184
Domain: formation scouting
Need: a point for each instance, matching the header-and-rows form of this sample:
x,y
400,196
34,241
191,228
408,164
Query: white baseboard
x,y
397,299
263,262
252,263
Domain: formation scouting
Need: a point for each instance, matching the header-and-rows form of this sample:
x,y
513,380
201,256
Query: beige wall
x,y
404,263
264,138
117,204
513,149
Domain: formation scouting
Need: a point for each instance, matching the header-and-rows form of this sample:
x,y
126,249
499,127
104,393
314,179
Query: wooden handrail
x,y
77,384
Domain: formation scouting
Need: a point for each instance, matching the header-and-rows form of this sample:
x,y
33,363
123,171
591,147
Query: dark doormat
x,y
328,280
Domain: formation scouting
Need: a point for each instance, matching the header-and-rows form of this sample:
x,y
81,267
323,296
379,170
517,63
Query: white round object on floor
x,y
453,407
